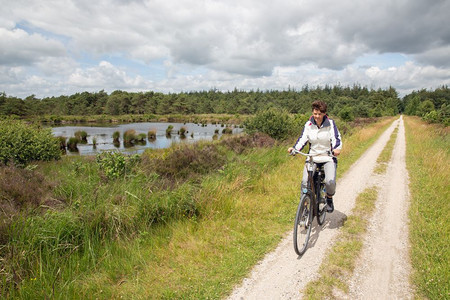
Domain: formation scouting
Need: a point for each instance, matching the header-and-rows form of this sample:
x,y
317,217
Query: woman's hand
x,y
290,150
336,152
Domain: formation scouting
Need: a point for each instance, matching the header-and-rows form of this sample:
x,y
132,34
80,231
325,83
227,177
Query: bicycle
x,y
312,202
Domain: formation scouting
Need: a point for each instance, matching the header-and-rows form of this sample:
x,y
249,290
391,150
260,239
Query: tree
x,y
425,107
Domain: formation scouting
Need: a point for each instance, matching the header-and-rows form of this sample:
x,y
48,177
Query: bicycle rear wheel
x,y
303,224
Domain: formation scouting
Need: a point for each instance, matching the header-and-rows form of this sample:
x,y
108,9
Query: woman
x,y
322,134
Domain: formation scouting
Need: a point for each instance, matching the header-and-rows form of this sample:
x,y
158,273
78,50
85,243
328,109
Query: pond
x,y
104,139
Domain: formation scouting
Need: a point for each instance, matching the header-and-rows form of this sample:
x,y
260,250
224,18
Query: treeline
x,y
432,106
346,102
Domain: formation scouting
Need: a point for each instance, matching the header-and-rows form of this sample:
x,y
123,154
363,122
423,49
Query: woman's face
x,y
318,116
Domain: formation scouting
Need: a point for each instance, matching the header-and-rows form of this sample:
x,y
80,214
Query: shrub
x,y
347,114
62,143
72,144
129,136
241,143
81,136
116,136
169,130
183,131
21,143
116,164
274,122
227,130
431,117
185,160
21,188
141,137
151,134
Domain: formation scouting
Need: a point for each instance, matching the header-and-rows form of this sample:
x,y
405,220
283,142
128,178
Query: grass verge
x,y
427,161
385,155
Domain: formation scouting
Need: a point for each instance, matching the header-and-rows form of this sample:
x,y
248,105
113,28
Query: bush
x,y
21,188
141,137
241,143
227,130
116,164
62,143
347,114
274,122
129,136
116,136
151,134
81,136
183,131
72,144
185,160
169,130
431,117
21,143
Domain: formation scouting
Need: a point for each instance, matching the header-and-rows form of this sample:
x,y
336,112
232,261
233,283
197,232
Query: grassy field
x,y
146,236
427,161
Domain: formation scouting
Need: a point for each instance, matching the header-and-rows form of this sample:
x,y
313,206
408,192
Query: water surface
x,y
103,135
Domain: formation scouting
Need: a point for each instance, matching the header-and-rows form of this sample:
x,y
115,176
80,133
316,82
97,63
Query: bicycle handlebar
x,y
295,152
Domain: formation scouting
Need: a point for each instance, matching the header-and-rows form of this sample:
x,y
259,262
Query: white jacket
x,y
322,139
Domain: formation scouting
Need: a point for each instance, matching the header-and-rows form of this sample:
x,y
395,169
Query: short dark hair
x,y
319,105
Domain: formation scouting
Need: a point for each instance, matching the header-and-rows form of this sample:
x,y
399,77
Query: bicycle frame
x,y
313,185
308,207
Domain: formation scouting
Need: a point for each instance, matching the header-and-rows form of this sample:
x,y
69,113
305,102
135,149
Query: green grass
x,y
131,237
385,155
427,162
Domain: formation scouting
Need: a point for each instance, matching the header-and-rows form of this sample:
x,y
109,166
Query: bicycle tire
x,y
302,224
321,207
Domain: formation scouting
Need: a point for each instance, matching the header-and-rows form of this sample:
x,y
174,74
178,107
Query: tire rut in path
x,y
281,274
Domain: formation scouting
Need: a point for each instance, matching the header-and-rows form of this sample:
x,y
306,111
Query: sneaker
x,y
330,206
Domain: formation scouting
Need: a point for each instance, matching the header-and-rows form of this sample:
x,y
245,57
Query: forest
x,y
345,102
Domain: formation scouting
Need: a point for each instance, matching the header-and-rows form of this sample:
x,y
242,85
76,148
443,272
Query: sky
x,y
61,47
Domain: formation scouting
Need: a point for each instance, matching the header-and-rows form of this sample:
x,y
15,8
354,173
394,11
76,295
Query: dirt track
x,y
383,269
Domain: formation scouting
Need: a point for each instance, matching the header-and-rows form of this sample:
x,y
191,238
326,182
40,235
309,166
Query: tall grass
x,y
427,161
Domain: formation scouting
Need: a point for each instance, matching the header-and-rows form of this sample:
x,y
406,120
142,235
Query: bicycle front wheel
x,y
303,224
321,206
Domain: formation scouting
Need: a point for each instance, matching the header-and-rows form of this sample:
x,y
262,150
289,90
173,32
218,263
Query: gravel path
x,y
282,275
383,269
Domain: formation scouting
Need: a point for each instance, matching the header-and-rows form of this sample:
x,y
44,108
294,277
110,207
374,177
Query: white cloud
x,y
245,44
104,76
20,48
